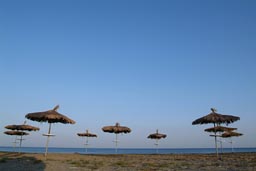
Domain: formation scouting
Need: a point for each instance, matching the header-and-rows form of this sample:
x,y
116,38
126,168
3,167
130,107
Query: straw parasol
x,y
230,134
157,136
116,129
22,127
50,116
87,135
17,133
219,129
216,119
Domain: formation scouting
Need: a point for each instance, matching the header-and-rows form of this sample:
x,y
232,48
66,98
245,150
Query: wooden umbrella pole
x,y
156,146
86,143
216,145
116,143
231,144
15,141
221,147
20,142
48,138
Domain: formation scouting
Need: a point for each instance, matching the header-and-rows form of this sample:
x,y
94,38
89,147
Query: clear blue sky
x,y
146,64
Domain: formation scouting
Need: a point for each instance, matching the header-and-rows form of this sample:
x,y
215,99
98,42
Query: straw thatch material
x,y
116,129
231,134
50,116
216,118
22,127
219,129
86,134
19,133
157,135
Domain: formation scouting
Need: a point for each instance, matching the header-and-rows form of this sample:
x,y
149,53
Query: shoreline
x,y
92,150
66,161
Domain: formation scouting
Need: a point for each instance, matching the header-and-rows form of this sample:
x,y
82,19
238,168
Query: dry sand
x,y
127,162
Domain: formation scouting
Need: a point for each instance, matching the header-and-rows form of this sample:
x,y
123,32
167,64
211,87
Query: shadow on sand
x,y
18,162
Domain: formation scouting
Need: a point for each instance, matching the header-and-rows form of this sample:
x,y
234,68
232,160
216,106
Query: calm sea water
x,y
125,150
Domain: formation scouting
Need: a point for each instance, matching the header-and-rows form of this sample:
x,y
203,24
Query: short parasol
x,y
157,136
219,129
230,134
87,134
17,133
116,129
22,127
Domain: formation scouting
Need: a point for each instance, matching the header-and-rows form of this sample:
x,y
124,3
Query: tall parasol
x,y
157,136
50,116
22,127
17,133
216,119
116,129
87,135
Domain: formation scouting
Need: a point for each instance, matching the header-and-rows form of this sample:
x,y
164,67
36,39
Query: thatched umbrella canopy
x,y
157,136
22,127
87,134
219,129
117,129
50,116
18,133
231,134
216,119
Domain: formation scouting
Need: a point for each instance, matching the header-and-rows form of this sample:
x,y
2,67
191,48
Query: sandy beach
x,y
83,162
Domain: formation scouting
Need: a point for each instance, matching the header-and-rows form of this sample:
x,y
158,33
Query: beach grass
x,y
131,162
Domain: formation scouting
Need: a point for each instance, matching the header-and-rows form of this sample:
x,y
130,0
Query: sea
x,y
125,150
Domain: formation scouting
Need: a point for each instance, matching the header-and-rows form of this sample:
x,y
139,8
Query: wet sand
x,y
127,162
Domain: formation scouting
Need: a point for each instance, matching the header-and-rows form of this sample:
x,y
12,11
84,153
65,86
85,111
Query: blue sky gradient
x,y
146,64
